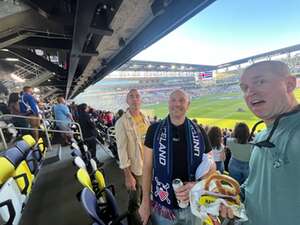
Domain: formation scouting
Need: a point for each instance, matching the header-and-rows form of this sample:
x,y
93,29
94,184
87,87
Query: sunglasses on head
x,y
267,143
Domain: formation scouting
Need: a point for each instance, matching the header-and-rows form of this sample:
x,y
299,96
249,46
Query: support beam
x,y
44,43
12,39
92,17
82,22
51,92
21,53
44,8
37,81
168,18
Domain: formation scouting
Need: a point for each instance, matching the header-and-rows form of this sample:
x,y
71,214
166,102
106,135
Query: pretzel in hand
x,y
224,184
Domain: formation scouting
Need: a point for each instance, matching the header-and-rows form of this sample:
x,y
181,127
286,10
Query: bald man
x,y
272,190
131,129
174,149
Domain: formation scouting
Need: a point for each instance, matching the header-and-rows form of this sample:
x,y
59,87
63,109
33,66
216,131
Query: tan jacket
x,y
130,148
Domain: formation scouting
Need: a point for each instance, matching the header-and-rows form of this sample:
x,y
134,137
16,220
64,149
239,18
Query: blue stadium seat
x,y
32,162
89,202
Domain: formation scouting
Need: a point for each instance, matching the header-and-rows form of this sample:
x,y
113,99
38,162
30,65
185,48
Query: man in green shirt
x,y
272,190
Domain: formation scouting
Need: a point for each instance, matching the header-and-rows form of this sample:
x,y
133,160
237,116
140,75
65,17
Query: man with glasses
x,y
272,190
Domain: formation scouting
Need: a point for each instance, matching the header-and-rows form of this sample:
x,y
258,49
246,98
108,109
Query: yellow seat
x,y
41,145
7,169
29,140
84,178
100,180
23,178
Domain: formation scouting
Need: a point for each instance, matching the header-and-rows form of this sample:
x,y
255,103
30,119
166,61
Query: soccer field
x,y
220,110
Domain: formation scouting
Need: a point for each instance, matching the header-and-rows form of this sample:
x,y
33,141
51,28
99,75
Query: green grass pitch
x,y
222,110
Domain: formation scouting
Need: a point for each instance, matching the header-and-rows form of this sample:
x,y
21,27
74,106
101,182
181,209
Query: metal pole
x,y
47,135
3,139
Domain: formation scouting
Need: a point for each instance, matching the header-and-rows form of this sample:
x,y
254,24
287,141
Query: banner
x,y
208,75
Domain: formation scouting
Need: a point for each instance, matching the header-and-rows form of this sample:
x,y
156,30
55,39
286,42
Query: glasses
x,y
267,143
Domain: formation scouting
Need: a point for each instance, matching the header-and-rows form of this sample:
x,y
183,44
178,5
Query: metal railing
x,y
45,128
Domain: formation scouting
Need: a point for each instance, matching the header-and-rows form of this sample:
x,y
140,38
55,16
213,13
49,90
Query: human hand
x,y
145,211
130,182
226,212
183,193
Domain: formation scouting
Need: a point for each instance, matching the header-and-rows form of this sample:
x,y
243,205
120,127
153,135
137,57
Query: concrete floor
x,y
53,197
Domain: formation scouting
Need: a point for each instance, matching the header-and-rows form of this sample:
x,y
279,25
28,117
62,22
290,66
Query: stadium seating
x,y
19,165
110,215
24,177
11,203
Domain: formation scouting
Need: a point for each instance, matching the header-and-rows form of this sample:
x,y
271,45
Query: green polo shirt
x,y
273,194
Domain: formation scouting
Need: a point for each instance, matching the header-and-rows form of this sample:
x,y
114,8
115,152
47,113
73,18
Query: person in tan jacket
x,y
131,129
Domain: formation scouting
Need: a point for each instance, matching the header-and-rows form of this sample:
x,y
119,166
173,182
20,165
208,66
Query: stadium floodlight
x,y
149,66
12,59
182,67
162,66
173,67
17,78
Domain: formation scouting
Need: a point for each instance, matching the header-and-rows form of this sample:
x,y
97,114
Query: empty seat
x,y
23,178
32,162
89,202
79,162
14,155
84,178
96,184
107,213
6,171
29,140
11,203
41,146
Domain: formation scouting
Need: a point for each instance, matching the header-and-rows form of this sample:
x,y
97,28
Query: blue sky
x,y
228,30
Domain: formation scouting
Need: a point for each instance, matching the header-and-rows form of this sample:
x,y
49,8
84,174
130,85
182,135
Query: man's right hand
x,y
130,182
226,212
145,211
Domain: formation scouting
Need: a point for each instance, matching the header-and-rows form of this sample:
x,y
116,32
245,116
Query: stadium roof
x,y
63,46
138,65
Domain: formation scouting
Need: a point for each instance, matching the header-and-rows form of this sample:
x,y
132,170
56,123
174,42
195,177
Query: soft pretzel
x,y
231,186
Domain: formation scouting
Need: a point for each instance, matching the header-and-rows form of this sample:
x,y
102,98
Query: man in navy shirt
x,y
29,107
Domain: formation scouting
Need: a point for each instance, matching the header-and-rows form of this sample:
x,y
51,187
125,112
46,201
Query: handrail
x,y
46,130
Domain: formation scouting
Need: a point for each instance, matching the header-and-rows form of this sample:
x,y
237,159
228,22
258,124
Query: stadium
x,y
71,155
216,98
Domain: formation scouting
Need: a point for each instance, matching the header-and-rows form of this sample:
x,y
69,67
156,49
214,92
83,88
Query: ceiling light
x,y
17,78
36,89
12,59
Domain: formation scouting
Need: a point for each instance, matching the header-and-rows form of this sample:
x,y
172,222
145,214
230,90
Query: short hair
x,y
26,88
132,90
181,91
82,107
241,133
59,97
277,67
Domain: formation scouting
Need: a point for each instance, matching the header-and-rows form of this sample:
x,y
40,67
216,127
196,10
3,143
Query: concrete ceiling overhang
x,y
74,44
